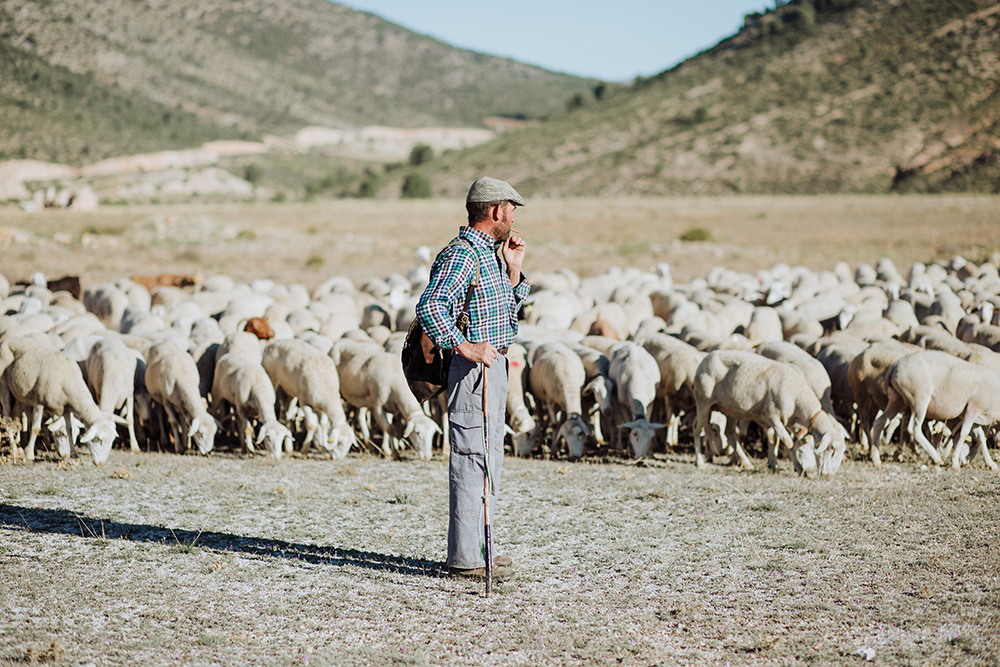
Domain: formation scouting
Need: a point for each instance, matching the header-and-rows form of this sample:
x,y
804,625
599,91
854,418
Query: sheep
x,y
172,381
600,387
243,383
677,362
110,370
936,385
866,375
298,370
636,376
37,377
746,386
556,377
813,370
373,379
518,415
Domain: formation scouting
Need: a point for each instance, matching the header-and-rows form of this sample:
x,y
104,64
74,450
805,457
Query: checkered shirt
x,y
494,305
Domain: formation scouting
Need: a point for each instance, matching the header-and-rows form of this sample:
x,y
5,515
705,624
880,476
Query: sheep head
x,y
203,430
101,435
274,435
640,435
575,432
420,430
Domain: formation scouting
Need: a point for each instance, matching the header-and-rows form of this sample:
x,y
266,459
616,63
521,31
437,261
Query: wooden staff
x,y
488,551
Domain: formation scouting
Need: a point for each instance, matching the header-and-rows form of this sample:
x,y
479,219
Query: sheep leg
x,y
893,408
382,419
958,442
700,431
133,442
181,443
245,431
917,431
772,458
981,441
36,428
738,451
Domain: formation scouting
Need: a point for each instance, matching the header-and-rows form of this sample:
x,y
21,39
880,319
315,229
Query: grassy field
x,y
362,239
157,559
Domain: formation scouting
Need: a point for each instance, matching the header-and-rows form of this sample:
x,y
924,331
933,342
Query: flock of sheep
x,y
624,362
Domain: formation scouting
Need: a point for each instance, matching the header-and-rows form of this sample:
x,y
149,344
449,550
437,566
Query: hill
x,y
83,80
815,96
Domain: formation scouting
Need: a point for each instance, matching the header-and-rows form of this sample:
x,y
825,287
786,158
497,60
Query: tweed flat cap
x,y
488,189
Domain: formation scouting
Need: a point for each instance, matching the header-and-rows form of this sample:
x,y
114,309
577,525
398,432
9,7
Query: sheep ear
x,y
655,426
194,427
632,424
89,435
560,432
260,436
409,428
119,420
825,442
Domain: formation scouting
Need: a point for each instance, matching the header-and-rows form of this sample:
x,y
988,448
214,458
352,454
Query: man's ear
x,y
495,212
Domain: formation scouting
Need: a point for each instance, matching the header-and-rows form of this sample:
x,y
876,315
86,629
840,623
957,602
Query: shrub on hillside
x,y
416,186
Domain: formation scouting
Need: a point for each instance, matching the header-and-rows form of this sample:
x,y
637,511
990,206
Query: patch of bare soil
x,y
161,559
362,239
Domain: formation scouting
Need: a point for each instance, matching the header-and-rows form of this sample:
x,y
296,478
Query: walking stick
x,y
488,551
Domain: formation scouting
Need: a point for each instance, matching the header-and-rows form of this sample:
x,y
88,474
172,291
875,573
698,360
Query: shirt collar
x,y
473,235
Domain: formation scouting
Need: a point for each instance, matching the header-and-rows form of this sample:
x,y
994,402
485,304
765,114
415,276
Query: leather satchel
x,y
424,364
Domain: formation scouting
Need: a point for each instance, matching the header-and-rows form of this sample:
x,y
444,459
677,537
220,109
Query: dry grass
x,y
201,562
361,239
155,559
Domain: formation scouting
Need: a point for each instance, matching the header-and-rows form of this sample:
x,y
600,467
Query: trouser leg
x,y
466,469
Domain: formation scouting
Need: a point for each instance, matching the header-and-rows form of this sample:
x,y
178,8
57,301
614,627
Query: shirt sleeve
x,y
444,295
521,291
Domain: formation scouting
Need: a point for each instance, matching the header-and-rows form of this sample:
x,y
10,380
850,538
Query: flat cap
x,y
488,189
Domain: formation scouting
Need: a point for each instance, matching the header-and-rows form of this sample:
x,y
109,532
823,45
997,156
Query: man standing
x,y
479,355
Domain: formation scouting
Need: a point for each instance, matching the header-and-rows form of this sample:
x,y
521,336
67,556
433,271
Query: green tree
x,y
416,186
421,154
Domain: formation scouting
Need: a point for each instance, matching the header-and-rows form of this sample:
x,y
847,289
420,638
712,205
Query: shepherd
x,y
478,359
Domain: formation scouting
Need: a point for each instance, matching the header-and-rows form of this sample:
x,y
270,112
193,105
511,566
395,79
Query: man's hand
x,y
478,353
513,255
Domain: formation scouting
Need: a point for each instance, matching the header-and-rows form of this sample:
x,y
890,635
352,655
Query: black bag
x,y
424,365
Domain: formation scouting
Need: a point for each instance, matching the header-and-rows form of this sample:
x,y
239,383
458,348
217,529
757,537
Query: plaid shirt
x,y
494,305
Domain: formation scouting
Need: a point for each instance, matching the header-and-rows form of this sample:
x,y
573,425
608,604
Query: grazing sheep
x,y
746,386
556,377
373,379
172,381
242,382
636,376
677,362
936,385
870,386
300,371
110,371
38,378
518,415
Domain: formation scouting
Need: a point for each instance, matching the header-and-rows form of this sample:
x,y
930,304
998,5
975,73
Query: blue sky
x,y
614,40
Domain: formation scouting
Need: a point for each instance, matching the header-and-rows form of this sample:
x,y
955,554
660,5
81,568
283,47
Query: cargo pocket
x,y
465,406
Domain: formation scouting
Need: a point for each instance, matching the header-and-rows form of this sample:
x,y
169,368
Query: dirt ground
x,y
156,559
360,238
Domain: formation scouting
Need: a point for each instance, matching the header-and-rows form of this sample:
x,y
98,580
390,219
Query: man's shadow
x,y
37,520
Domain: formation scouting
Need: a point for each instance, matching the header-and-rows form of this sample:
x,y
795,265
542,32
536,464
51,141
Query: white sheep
x,y
36,377
636,376
242,382
172,380
372,379
300,371
936,385
518,415
556,377
110,370
678,362
746,386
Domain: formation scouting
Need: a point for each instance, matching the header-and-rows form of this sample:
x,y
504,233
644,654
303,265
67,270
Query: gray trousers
x,y
466,471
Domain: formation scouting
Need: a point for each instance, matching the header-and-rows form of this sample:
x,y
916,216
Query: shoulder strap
x,y
463,318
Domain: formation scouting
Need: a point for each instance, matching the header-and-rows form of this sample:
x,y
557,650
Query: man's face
x,y
505,222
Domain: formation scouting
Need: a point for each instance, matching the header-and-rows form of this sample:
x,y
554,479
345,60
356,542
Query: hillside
x,y
82,80
851,96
